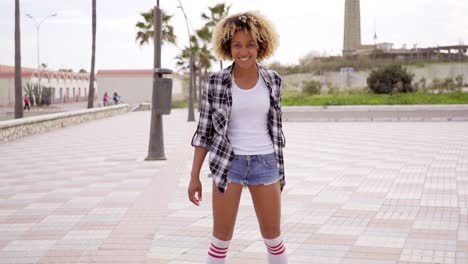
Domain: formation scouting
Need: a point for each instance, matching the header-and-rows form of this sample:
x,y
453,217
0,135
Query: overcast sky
x,y
304,26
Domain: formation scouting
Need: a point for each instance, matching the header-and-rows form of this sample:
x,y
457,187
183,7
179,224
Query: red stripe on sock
x,y
275,247
218,251
218,248
215,256
276,250
278,253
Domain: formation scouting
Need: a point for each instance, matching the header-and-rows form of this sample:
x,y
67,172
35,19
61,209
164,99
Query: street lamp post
x,y
191,113
38,26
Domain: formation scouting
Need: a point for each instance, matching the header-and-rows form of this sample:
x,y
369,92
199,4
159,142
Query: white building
x,y
134,86
67,86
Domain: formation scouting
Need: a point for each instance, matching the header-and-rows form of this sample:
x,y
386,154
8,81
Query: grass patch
x,y
182,104
296,98
179,104
374,99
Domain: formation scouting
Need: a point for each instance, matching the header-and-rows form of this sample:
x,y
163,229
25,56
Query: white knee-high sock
x,y
217,253
276,251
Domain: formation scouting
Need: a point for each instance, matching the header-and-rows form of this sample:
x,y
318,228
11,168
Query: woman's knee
x,y
224,234
270,231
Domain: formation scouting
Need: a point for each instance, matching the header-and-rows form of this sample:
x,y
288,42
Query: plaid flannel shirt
x,y
211,133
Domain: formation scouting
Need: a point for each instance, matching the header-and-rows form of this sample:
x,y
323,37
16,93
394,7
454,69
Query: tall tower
x,y
352,27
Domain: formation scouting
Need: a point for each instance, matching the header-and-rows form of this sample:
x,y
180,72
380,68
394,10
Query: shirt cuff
x,y
200,141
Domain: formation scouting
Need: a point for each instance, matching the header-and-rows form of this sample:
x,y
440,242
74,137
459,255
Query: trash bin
x,y
163,96
162,100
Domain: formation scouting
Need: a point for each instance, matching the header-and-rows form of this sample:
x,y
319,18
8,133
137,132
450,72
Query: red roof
x,y
140,72
9,72
6,68
12,74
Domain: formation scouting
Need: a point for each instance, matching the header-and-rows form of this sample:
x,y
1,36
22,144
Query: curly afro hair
x,y
261,29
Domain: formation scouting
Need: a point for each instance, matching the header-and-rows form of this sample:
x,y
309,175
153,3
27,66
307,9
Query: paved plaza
x,y
356,193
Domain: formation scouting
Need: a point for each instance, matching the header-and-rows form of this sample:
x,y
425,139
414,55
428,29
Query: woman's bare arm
x,y
195,186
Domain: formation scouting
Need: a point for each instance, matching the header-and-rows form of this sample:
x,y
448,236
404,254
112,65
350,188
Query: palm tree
x,y
146,28
183,60
206,56
205,59
18,84
93,60
204,34
217,13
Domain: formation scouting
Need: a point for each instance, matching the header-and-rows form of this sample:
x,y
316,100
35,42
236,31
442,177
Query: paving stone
x,y
381,193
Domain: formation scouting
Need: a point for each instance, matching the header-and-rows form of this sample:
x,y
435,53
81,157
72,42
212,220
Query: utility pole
x,y
375,46
18,78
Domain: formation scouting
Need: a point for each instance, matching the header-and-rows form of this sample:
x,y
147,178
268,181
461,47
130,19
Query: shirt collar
x,y
261,69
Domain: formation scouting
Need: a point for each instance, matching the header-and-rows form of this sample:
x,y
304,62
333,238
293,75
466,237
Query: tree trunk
x,y
93,61
195,75
18,84
200,84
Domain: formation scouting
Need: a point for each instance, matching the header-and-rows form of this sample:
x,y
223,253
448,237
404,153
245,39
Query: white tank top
x,y
248,123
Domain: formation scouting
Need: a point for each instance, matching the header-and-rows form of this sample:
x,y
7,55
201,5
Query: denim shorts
x,y
254,170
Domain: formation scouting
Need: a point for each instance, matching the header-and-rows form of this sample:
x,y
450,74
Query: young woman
x,y
105,99
116,98
240,125
27,102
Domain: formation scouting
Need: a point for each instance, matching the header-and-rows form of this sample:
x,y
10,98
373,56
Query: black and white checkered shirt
x,y
216,104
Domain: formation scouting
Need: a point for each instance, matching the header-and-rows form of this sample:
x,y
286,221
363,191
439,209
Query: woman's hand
x,y
195,191
195,186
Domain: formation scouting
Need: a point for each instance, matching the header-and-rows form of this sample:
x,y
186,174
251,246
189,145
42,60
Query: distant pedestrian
x,y
116,98
27,102
105,99
240,124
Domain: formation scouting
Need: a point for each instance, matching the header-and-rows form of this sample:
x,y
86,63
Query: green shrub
x,y
311,87
420,85
333,90
459,80
391,79
46,96
179,104
37,90
447,85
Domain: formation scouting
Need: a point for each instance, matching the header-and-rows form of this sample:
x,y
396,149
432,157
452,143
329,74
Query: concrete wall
x,y
7,92
134,90
131,90
18,128
358,79
440,71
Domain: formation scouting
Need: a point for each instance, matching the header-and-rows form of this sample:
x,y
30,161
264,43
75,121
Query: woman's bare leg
x,y
225,207
267,203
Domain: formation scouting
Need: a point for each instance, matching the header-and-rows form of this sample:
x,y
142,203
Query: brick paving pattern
x,y
356,193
